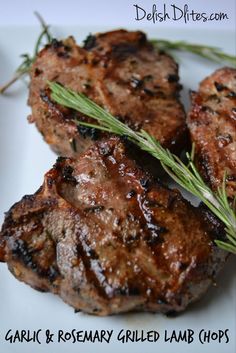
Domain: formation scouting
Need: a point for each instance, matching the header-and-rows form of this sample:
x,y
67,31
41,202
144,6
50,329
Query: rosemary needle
x,y
24,67
204,51
185,175
207,52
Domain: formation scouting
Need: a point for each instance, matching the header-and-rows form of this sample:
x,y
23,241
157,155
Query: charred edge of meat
x,y
60,159
62,49
21,251
172,78
214,225
11,221
172,313
142,38
130,291
67,115
162,301
219,87
55,43
2,248
63,54
203,164
37,72
89,42
45,95
66,171
122,50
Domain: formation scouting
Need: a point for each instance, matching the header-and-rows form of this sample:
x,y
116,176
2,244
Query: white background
x,y
104,12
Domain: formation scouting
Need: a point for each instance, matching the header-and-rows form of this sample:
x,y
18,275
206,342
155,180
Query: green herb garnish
x,y
204,51
28,60
186,176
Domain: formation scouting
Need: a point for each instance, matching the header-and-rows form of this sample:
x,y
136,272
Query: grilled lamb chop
x,y
120,71
212,124
105,237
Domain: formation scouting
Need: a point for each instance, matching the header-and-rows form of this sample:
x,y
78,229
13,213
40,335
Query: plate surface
x,y
24,158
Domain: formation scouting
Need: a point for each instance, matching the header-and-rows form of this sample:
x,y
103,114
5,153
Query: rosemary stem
x,y
15,78
25,66
186,176
43,25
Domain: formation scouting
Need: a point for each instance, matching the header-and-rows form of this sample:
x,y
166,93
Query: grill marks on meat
x,y
120,71
32,251
212,124
105,237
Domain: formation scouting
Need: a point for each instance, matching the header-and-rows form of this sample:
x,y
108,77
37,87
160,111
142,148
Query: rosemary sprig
x,y
185,175
28,60
204,51
207,52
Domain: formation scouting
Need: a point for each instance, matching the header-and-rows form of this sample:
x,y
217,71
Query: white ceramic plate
x,y
24,158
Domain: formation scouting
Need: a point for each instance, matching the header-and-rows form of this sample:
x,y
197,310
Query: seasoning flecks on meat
x,y
119,70
107,239
212,125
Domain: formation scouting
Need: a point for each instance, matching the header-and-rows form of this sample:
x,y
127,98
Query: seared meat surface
x,y
120,71
212,124
107,238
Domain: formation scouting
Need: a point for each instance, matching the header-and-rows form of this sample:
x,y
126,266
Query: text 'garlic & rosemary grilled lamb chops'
x,y
108,239
119,70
